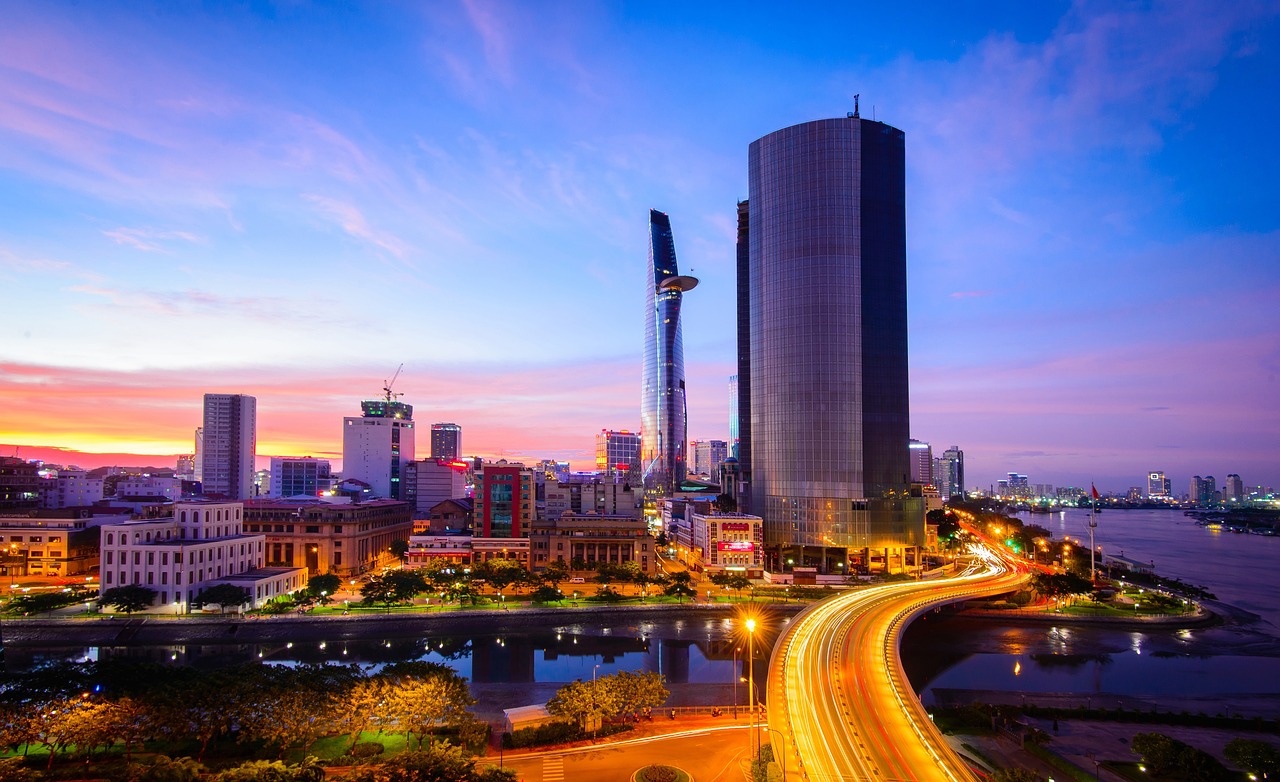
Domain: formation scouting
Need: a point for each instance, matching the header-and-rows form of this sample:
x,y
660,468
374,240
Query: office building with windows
x,y
1158,485
295,476
663,404
227,444
504,500
921,455
707,457
377,447
446,441
617,452
826,362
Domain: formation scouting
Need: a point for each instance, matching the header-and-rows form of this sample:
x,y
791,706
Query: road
x,y
708,754
840,706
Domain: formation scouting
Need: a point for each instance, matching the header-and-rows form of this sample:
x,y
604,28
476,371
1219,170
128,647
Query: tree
x,y
725,503
361,704
584,702
420,703
642,580
322,586
1158,751
555,572
398,547
661,540
578,564
1260,757
223,595
679,585
738,582
547,594
128,598
638,691
394,587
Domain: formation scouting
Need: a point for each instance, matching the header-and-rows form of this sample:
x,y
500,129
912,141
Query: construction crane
x,y
386,389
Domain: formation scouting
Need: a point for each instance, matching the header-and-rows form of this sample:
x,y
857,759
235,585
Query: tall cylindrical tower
x,y
828,339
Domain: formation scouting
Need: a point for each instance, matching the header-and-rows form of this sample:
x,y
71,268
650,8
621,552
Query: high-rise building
x,y
378,446
741,490
707,456
827,321
921,456
504,500
733,418
1158,484
950,476
228,445
295,476
617,452
1232,488
1203,490
446,441
663,404
186,468
198,468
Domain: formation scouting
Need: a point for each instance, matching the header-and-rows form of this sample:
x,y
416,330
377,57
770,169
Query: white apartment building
x,y
71,489
229,444
178,556
150,486
378,446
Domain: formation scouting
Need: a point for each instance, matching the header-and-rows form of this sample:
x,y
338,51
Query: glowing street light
x,y
751,683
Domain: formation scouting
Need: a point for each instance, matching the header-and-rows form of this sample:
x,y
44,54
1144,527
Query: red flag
x,y
1095,492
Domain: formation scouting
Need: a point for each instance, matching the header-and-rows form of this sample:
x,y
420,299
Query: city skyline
x,y
263,204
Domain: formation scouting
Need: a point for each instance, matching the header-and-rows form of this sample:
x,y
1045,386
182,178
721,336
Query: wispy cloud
x,y
148,239
969,294
350,219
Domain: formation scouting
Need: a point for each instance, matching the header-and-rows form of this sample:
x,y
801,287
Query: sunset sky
x,y
291,199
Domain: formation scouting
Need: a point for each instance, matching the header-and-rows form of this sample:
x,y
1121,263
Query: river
x,y
702,658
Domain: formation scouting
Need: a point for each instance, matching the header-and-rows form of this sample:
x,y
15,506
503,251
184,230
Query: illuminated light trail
x,y
838,697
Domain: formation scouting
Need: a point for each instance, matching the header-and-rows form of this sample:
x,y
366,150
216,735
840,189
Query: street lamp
x,y
736,677
751,683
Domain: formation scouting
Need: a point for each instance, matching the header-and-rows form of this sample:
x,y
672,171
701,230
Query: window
x,y
110,561
55,554
313,530
337,558
164,577
137,557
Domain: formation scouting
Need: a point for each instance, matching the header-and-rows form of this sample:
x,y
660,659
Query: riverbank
x,y
152,630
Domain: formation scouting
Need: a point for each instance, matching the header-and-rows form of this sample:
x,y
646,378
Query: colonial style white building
x,y
200,545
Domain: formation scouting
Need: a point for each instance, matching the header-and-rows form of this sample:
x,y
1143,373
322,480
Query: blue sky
x,y
292,199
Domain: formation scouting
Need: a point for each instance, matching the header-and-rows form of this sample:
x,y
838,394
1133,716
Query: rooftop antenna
x,y
386,388
855,105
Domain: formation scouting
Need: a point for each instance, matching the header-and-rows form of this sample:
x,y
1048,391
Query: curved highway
x,y
840,707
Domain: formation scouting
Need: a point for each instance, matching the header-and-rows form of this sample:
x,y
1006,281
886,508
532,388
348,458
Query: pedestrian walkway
x,y
553,769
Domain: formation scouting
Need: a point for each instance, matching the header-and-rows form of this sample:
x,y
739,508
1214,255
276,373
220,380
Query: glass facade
x,y
663,406
825,371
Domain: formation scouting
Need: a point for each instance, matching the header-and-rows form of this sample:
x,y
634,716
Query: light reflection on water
x,y
1125,673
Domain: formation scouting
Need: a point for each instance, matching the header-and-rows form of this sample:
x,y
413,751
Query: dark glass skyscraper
x,y
825,372
663,407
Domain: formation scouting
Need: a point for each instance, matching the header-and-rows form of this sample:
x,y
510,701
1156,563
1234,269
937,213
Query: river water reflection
x,y
939,652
